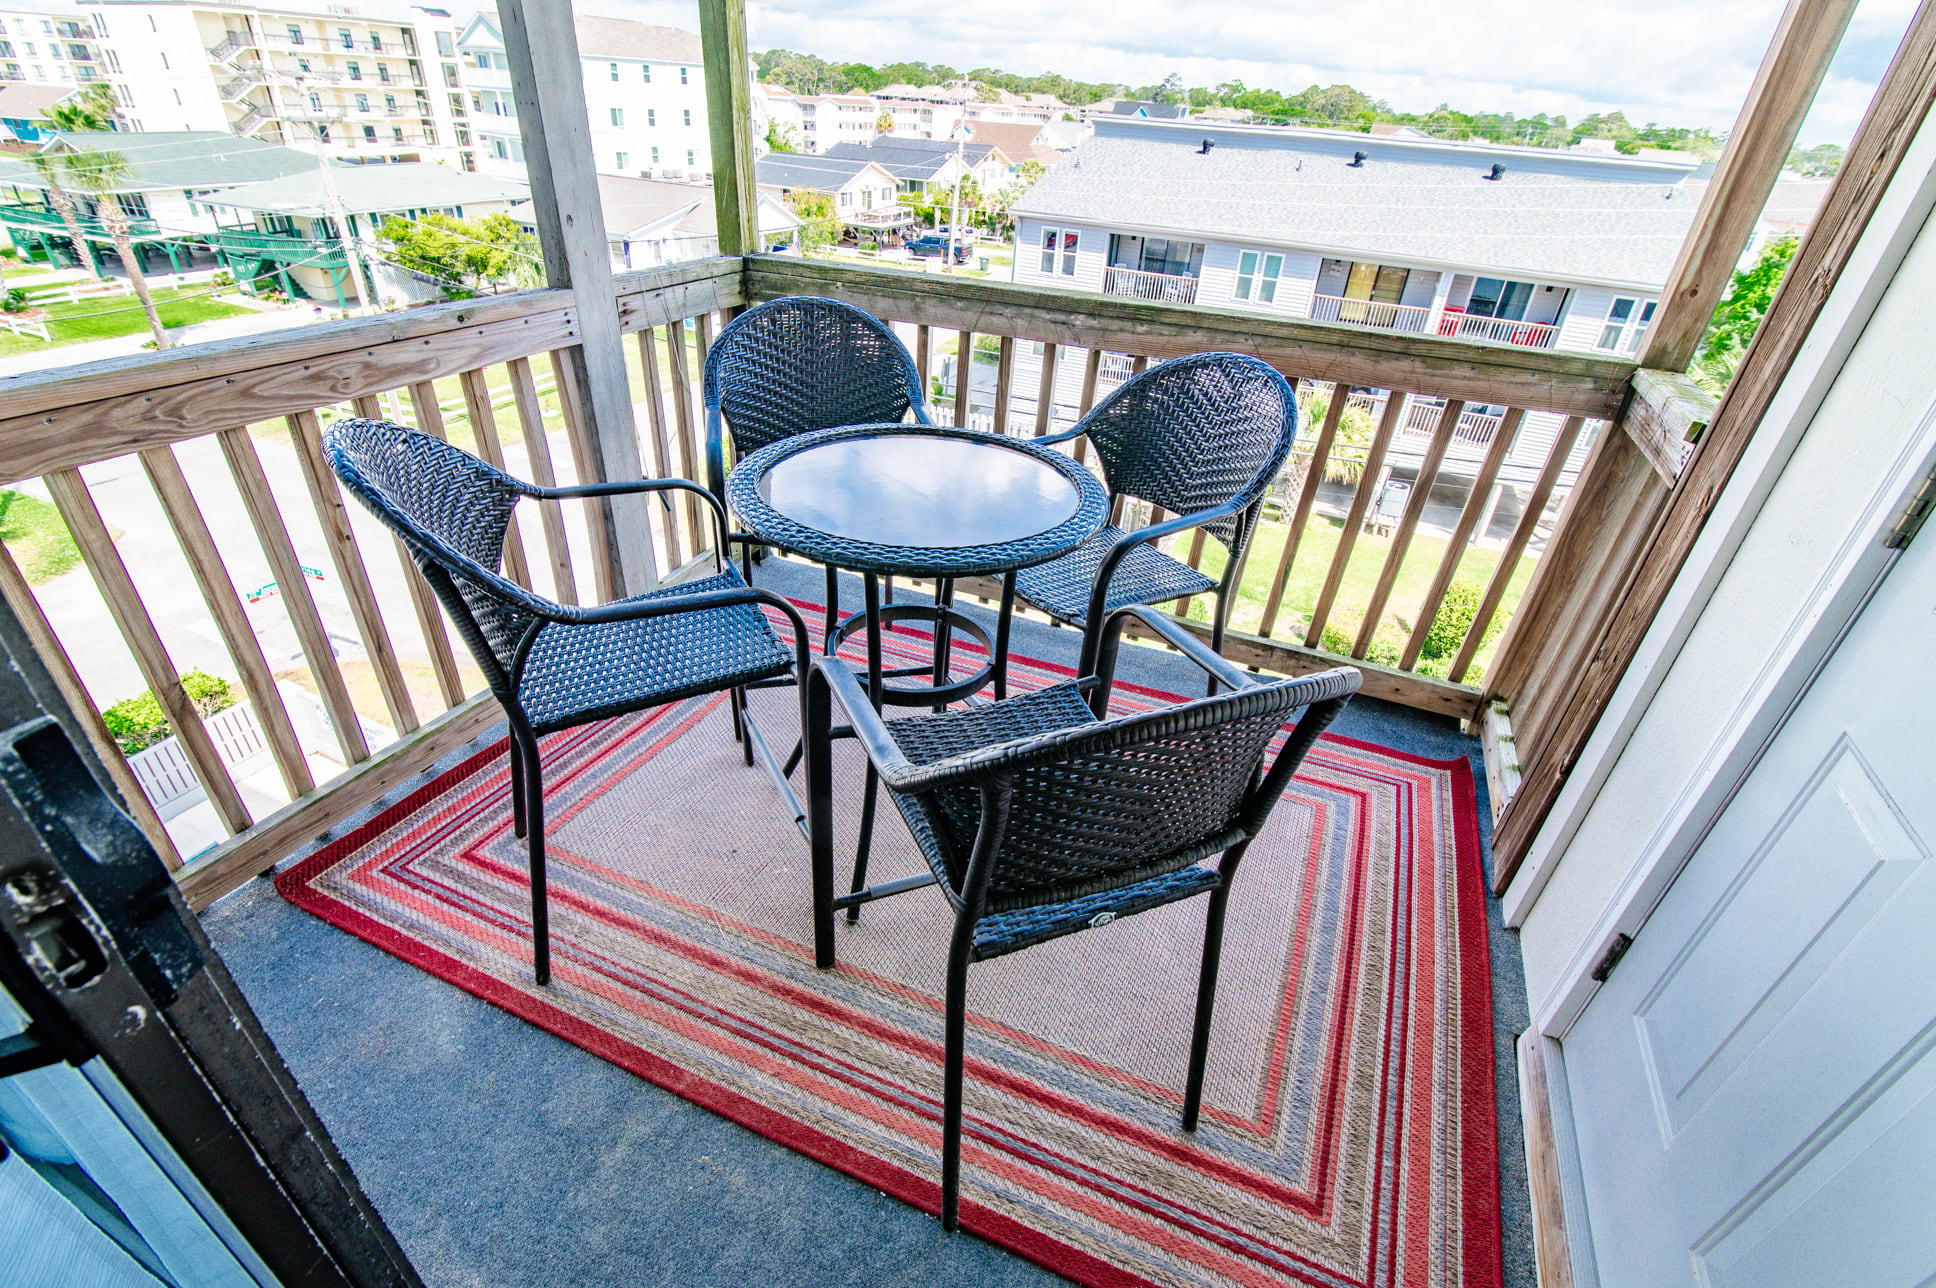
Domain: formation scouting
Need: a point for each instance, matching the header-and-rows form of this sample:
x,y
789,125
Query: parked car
x,y
934,246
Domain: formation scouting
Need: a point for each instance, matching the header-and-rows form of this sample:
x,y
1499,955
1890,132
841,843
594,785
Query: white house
x,y
645,98
864,192
48,42
919,165
654,221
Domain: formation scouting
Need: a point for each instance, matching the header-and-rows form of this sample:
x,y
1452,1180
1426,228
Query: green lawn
x,y
105,317
35,536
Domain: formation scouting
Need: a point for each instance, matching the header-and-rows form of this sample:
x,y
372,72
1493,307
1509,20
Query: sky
x,y
1675,62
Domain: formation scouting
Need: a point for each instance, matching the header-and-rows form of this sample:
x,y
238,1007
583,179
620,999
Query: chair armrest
x,y
1065,436
586,491
1099,592
1172,633
870,731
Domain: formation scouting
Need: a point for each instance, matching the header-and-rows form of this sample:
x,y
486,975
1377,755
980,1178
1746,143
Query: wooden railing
x,y
1465,326
1394,317
227,439
223,443
1168,288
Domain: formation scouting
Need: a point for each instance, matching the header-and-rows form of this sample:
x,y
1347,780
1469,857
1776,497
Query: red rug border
x,y
1482,1239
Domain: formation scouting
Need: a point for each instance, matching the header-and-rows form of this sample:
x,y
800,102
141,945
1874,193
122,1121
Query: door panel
x,y
1753,1089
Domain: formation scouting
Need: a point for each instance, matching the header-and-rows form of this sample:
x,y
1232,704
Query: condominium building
x,y
363,87
48,42
645,98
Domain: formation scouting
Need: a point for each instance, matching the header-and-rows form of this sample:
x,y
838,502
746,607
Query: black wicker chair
x,y
554,666
1040,818
796,364
1202,436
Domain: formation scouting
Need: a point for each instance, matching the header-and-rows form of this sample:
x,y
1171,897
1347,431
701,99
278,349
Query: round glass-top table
x,y
919,501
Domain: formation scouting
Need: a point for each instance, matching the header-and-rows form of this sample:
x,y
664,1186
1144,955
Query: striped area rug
x,y
1348,1136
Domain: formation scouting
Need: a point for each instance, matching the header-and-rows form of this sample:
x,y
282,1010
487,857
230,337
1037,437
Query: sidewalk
x,y
67,355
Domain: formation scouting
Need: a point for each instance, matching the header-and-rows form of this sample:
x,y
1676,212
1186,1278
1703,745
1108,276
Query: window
x,y
343,35
356,71
383,73
655,156
689,156
450,76
390,104
682,75
482,59
6,49
315,102
688,118
396,132
1064,240
444,45
647,69
47,26
846,198
651,118
463,137
1252,284
618,118
430,134
623,159
164,62
1625,328
497,149
31,51
369,134
614,67
456,104
295,34
1494,298
302,64
362,102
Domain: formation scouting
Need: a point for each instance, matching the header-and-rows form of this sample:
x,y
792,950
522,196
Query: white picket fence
x,y
168,779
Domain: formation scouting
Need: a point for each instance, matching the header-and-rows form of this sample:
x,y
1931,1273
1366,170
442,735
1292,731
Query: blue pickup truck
x,y
935,246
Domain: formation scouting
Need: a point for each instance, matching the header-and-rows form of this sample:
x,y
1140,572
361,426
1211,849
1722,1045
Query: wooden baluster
x,y
231,619
430,618
1045,392
47,645
1004,377
923,348
326,497
524,393
1354,520
1475,505
123,600
477,402
690,459
1196,562
1091,375
585,466
661,448
246,468
1306,497
1428,473
1502,575
964,374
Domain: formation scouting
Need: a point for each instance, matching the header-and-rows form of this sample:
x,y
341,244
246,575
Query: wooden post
x,y
542,46
1783,91
729,119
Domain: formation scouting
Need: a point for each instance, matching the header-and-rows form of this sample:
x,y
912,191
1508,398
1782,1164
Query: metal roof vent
x,y
1204,151
1358,160
1498,172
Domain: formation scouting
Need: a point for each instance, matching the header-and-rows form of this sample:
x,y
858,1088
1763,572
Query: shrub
x,y
1456,611
139,723
15,301
1387,644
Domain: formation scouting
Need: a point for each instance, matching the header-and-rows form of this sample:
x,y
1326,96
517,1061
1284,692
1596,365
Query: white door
x,y
1753,1089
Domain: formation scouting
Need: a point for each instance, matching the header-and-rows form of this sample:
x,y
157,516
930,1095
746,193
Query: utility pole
x,y
954,224
333,199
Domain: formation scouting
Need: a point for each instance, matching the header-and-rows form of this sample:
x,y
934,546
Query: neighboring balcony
x,y
1164,288
1532,335
1418,320
1389,317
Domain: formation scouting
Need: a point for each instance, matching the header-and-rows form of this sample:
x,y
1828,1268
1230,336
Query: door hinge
x,y
1621,943
1910,521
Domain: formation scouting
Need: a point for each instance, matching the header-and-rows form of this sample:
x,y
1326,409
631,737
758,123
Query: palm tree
x,y
49,166
101,175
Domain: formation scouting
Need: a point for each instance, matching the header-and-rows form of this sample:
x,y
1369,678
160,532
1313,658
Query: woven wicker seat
x,y
1039,818
796,364
1201,436
551,665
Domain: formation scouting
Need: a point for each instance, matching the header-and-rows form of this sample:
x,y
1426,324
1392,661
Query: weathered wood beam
x,y
1665,417
1537,379
541,43
1783,91
729,120
1895,115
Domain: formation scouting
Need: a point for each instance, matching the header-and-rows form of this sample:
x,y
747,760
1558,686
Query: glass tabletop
x,y
906,488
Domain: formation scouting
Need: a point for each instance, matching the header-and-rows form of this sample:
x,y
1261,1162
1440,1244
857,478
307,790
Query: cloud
x,y
1675,62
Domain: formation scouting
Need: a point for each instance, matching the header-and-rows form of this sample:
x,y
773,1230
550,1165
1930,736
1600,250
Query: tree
x,y
101,175
89,111
884,123
819,225
1739,314
783,138
468,253
48,165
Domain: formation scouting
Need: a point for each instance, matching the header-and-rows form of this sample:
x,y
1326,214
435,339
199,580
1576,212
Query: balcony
x,y
1531,335
458,1115
1388,317
1164,288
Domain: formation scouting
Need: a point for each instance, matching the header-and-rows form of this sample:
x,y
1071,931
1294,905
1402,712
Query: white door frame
x,y
1806,640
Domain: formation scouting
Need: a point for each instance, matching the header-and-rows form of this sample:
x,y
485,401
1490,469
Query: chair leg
x,y
833,603
816,720
1206,1002
954,1044
1216,633
535,828
517,788
737,701
868,797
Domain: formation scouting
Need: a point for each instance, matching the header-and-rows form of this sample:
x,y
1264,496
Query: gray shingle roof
x,y
178,159
623,38
1550,216
909,158
804,170
373,189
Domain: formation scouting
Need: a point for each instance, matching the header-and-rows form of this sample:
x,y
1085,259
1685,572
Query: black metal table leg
x,y
876,684
1003,620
